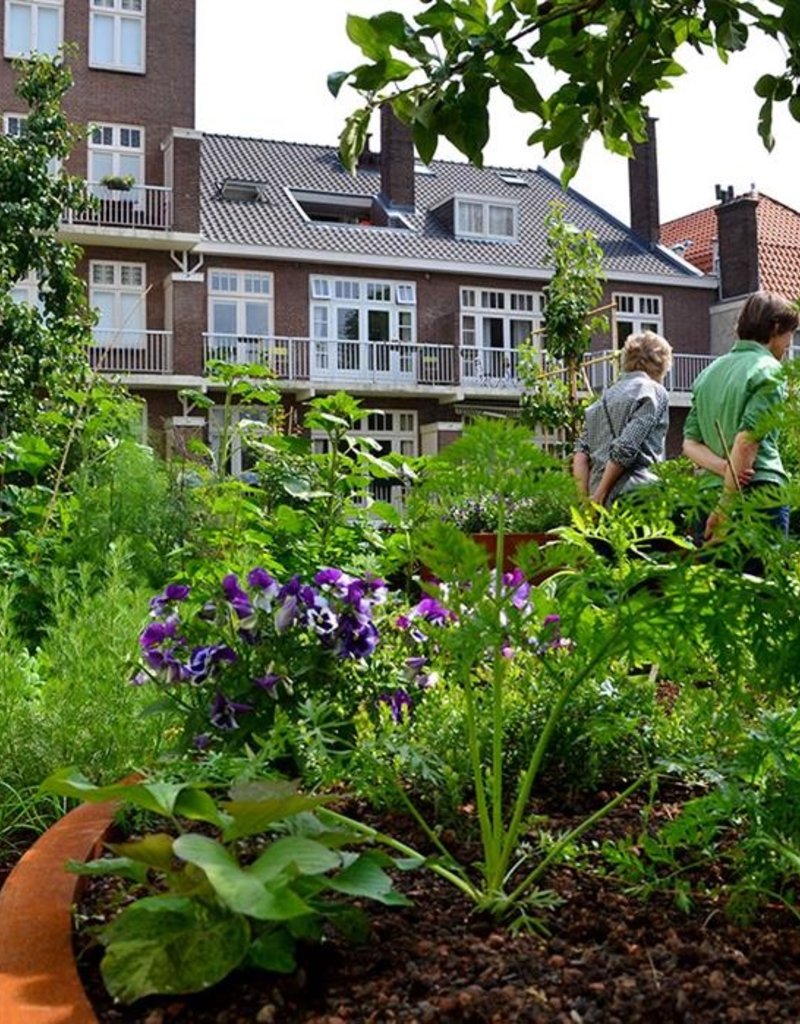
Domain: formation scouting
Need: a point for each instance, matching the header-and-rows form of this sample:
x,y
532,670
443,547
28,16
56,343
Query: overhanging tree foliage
x,y
42,348
439,69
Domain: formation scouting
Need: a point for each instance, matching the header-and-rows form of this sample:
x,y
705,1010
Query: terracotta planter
x,y
39,982
511,542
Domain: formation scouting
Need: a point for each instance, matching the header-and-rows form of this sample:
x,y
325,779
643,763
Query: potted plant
x,y
495,480
118,182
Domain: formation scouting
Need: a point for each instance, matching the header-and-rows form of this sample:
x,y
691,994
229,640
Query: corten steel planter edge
x,y
39,981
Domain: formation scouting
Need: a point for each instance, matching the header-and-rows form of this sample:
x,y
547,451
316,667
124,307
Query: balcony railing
x,y
140,206
131,351
317,361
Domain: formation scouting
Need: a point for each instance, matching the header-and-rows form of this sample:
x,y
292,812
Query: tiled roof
x,y
778,247
275,221
693,236
778,243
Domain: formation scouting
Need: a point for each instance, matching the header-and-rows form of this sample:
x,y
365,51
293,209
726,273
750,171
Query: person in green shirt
x,y
723,434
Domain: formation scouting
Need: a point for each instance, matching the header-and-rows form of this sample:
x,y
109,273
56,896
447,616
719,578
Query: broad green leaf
x,y
517,84
121,867
237,888
336,80
273,951
154,850
250,817
765,86
364,877
307,856
367,37
170,945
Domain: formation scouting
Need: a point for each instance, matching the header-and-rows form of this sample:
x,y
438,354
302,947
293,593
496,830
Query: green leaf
x,y
121,867
238,889
249,817
765,124
154,850
307,856
794,107
517,84
365,877
336,80
273,951
169,945
367,37
765,86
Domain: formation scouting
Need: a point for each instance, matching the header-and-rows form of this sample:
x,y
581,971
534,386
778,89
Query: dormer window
x,y
489,219
241,191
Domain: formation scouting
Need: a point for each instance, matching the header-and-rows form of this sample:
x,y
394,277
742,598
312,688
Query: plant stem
x,y
380,837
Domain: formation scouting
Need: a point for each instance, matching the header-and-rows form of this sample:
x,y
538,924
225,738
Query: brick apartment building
x,y
409,286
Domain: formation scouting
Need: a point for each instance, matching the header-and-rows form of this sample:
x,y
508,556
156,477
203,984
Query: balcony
x,y
147,207
404,364
131,352
340,363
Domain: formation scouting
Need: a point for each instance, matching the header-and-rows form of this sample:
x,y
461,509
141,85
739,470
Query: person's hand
x,y
745,476
715,527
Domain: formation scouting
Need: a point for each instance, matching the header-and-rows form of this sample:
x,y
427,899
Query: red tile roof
x,y
778,243
698,232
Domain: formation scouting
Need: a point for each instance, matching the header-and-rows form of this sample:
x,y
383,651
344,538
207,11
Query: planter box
x,y
39,982
511,544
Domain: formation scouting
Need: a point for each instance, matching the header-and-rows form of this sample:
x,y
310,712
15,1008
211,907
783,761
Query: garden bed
x,y
608,957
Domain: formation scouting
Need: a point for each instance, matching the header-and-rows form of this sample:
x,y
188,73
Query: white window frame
x,y
26,290
120,147
485,309
119,11
390,358
129,331
35,7
642,312
241,288
484,205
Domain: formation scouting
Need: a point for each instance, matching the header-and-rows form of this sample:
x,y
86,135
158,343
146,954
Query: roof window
x,y
240,191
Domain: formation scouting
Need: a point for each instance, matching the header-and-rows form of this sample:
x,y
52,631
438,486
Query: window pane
x,y
104,302
378,325
19,29
470,218
501,221
130,164
100,165
132,311
102,39
347,324
47,31
256,318
223,317
131,43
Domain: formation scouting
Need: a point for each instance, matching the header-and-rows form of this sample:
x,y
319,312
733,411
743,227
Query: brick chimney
x,y
643,187
396,161
737,240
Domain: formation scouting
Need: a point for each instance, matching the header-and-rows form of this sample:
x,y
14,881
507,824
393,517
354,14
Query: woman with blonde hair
x,y
625,430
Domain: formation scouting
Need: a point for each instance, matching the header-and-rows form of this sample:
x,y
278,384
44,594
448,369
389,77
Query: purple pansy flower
x,y
173,593
223,711
203,660
399,704
237,598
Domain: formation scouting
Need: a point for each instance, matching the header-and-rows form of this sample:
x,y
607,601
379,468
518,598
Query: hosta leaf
x,y
170,945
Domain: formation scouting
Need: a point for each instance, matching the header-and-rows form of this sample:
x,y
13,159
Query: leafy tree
x,y
439,69
551,398
42,349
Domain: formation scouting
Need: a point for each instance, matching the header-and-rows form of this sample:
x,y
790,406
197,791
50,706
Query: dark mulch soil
x,y
608,958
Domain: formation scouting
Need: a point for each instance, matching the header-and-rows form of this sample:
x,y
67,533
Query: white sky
x,y
262,67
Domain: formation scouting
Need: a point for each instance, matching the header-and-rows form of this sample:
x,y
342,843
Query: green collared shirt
x,y
735,393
